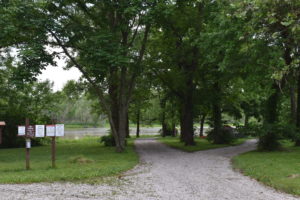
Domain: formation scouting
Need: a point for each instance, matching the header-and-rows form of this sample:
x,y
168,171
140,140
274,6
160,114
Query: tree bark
x,y
186,119
246,122
271,115
293,104
298,109
202,120
217,114
138,123
163,117
127,126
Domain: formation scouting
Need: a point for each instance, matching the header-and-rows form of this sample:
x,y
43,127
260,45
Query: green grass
x,y
77,160
201,144
280,170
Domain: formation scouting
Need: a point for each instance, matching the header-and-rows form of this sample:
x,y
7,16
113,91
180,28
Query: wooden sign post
x,y
2,124
27,131
30,131
28,145
50,131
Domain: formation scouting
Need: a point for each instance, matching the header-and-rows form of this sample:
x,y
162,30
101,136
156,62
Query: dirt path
x,y
164,173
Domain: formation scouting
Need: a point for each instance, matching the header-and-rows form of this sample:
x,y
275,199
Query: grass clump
x,y
201,144
278,169
80,160
76,160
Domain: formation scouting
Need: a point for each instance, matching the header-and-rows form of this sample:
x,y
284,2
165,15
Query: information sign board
x,y
21,130
39,130
59,130
50,130
30,131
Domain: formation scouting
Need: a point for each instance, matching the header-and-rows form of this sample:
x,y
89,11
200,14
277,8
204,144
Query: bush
x,y
108,140
250,130
270,134
225,136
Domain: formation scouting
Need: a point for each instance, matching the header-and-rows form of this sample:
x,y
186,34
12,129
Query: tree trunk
x,y
298,109
113,95
271,115
202,120
217,115
127,126
138,123
186,119
123,111
163,117
246,122
217,121
293,104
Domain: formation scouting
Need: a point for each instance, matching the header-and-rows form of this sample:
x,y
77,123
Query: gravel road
x,y
164,173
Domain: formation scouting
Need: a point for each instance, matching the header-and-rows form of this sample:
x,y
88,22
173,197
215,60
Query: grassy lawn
x,y
77,160
201,144
280,170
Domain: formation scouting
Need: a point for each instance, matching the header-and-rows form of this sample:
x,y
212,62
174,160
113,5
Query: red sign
x,y
30,131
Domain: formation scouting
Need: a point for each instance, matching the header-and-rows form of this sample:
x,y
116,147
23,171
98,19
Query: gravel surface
x,y
164,173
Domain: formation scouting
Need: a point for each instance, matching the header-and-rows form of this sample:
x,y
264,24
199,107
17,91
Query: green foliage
x,y
271,134
108,140
35,101
226,135
201,144
251,129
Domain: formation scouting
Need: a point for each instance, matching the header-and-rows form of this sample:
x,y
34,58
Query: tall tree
x,y
105,40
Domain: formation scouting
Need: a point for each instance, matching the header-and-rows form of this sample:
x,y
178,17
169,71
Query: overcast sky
x,y
59,76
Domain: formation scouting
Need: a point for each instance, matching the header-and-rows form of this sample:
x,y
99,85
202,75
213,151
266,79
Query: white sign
x,y
21,130
59,130
28,144
39,130
50,130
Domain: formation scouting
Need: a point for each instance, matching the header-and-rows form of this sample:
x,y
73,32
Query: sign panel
x,y
50,130
21,130
30,131
28,143
39,130
59,130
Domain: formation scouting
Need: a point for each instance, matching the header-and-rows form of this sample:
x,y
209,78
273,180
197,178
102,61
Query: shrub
x,y
108,140
270,134
250,130
226,135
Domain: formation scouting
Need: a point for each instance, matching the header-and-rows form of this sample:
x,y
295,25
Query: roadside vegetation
x,y
84,160
279,169
201,144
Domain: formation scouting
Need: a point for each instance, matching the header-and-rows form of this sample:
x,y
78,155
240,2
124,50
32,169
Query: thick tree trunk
x,y
186,119
202,121
123,111
138,113
187,129
217,121
271,115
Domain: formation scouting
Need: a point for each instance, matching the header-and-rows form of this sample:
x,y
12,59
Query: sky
x,y
59,76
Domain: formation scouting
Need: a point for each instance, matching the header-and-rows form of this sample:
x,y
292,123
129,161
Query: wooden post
x,y
27,149
53,151
0,135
